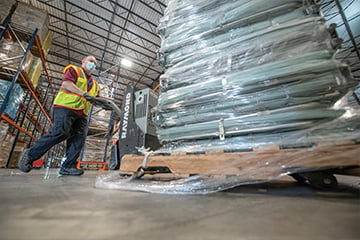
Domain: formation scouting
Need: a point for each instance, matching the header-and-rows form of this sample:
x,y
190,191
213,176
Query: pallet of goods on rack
x,y
25,18
7,8
15,99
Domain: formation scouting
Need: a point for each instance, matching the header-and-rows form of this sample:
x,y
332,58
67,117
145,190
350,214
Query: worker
x,y
70,109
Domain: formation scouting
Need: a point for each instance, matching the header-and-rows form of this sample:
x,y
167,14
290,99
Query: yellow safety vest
x,y
72,100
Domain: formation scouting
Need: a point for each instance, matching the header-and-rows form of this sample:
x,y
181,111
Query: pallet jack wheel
x,y
320,180
298,177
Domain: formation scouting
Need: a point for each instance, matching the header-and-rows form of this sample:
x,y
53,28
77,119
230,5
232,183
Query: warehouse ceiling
x,y
111,30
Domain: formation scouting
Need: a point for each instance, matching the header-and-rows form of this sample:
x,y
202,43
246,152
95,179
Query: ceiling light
x,y
126,62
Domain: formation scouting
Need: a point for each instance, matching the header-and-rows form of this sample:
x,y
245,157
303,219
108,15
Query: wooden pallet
x,y
260,163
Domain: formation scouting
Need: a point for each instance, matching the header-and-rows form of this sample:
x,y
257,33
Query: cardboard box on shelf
x,y
5,145
11,54
4,127
20,146
7,7
28,18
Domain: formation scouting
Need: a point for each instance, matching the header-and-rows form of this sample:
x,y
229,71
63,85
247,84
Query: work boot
x,y
71,171
24,164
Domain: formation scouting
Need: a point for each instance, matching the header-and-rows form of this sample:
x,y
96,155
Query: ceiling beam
x,y
117,25
77,60
129,11
97,34
139,62
121,36
153,9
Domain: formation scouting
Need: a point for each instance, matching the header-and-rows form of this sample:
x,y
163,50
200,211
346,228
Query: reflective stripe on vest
x,y
75,101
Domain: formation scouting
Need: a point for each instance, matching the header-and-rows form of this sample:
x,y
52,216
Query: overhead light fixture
x,y
126,62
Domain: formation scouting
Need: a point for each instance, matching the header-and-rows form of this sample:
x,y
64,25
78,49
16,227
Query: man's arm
x,y
69,85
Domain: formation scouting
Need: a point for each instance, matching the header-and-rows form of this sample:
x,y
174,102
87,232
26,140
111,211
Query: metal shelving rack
x,y
33,116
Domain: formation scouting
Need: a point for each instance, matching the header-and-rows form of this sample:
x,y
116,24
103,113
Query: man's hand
x,y
103,103
89,98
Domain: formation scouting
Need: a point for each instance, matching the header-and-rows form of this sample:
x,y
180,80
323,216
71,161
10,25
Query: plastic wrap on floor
x,y
192,185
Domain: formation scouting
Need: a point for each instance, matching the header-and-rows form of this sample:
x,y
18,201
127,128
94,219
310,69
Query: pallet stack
x,y
246,74
257,70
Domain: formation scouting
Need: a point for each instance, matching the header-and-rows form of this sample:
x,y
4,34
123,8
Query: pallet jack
x,y
106,104
136,127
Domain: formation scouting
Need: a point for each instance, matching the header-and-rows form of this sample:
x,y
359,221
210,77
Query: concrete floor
x,y
43,206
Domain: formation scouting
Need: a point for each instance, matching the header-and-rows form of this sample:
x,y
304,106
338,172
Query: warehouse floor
x,y
40,205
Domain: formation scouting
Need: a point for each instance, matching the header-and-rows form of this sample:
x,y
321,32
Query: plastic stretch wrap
x,y
255,73
174,50
312,77
16,97
248,51
192,19
285,96
246,74
11,54
343,128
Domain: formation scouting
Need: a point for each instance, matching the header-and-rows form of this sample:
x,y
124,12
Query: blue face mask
x,y
90,66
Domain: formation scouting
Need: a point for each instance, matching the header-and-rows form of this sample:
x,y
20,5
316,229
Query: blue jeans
x,y
67,126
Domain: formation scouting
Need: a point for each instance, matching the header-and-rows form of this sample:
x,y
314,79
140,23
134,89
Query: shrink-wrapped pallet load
x,y
251,92
11,54
16,96
239,74
27,18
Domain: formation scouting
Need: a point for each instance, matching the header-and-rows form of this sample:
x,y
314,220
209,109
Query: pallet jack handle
x,y
106,104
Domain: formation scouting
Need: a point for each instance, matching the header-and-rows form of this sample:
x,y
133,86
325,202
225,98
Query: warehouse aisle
x,y
40,205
